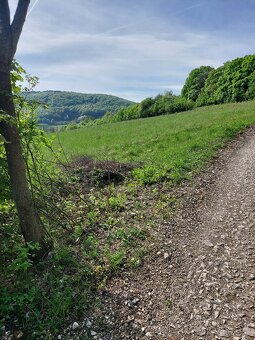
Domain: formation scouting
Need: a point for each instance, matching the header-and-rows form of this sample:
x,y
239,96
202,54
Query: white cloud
x,y
91,47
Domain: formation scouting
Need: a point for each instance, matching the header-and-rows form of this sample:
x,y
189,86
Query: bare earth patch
x,y
201,283
91,172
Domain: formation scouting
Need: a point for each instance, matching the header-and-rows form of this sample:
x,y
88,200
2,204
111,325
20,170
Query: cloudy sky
x,y
131,48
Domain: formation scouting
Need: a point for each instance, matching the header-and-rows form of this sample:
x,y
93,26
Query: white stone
x,y
88,323
75,325
166,256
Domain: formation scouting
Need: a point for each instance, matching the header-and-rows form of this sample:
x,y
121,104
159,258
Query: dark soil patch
x,y
93,172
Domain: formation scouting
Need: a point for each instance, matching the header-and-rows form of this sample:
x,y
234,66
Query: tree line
x,y
205,85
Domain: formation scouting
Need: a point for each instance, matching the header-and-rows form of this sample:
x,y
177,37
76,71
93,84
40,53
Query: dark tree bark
x,y
31,227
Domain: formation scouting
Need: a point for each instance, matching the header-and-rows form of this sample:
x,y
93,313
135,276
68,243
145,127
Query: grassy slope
x,y
181,141
111,227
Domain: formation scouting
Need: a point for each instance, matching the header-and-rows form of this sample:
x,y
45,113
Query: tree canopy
x,y
195,82
69,106
232,82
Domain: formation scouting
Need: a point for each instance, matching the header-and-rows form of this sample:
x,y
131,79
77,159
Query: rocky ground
x,y
201,284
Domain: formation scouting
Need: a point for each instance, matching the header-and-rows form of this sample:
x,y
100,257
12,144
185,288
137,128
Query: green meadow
x,y
172,146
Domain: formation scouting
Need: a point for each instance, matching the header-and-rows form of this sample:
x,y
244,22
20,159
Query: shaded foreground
x,y
201,283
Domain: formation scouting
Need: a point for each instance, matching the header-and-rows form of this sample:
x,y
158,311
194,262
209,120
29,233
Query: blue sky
x,y
133,49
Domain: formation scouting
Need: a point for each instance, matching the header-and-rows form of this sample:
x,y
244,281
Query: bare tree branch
x,y
18,22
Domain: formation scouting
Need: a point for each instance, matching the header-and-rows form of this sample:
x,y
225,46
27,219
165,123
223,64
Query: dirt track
x,y
201,284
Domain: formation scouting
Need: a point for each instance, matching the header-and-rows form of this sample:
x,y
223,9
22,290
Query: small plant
x,y
63,255
134,262
169,303
92,217
116,259
137,257
90,247
150,174
23,260
117,202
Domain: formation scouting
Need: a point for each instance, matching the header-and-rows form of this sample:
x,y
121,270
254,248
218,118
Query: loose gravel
x,y
201,283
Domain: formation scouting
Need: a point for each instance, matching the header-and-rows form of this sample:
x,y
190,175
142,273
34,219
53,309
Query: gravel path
x,y
201,284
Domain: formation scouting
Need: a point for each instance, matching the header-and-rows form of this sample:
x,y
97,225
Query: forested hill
x,y
70,106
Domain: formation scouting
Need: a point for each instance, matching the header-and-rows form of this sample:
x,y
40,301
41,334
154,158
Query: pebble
x,y
88,323
166,256
130,319
252,277
207,307
208,244
216,314
149,335
252,325
75,325
200,331
224,334
249,331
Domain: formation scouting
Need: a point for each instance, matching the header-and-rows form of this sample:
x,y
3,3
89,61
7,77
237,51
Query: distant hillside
x,y
70,106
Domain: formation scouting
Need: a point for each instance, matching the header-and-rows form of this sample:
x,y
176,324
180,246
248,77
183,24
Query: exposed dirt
x,y
201,284
91,172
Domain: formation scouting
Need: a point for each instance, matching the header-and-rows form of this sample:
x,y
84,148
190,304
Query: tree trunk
x,y
31,227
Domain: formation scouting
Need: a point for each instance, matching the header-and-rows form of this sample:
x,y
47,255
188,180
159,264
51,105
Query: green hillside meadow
x,y
168,146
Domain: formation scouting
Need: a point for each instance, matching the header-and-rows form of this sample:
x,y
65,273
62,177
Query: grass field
x,y
174,145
